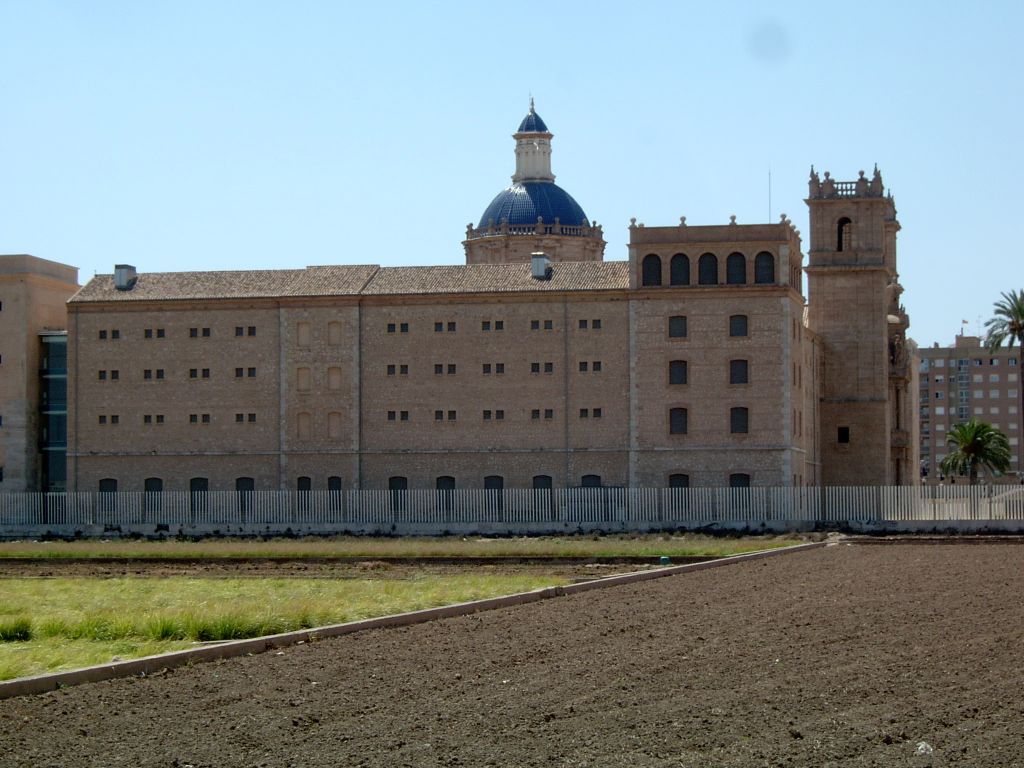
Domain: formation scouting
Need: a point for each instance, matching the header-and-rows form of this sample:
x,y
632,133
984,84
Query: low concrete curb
x,y
149,665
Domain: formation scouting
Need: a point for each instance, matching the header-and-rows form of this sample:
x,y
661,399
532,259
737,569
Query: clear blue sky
x,y
229,135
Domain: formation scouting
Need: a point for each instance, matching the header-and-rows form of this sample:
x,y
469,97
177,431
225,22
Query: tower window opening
x,y
844,230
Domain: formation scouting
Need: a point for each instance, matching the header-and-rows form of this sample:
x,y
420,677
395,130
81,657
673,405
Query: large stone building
x,y
33,414
966,381
695,362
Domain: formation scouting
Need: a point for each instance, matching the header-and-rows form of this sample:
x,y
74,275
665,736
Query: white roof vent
x,y
124,277
540,266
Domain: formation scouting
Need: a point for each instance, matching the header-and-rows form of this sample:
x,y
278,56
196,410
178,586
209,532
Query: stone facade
x,y
33,293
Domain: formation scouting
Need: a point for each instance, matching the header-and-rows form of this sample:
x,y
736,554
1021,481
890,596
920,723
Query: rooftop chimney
x,y
124,277
540,267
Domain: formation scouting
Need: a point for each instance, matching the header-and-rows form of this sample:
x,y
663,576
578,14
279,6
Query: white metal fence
x,y
618,508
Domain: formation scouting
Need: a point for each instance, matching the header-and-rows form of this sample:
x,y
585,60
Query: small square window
x,y
147,374
451,368
252,373
499,367
438,415
102,375
485,325
535,325
499,415
487,368
843,435
583,366
193,333
549,413
102,419
239,418
115,375
438,327
499,325
252,418
193,373
487,415
159,373
114,419
584,413
103,334
535,413
206,373
549,367
583,325
239,330
239,372
403,370
251,330
596,366
391,370
534,367
403,416
160,333
737,325
739,372
206,333
451,415
391,327
193,418
206,418
595,324
548,325
451,327
403,327
148,333
597,413
438,368
677,327
392,415
115,334
147,419
159,418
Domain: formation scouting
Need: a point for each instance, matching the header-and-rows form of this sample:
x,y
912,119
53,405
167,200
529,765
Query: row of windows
x,y
398,483
966,378
652,272
978,394
496,414
927,364
451,326
739,372
158,374
158,418
739,421
161,333
585,366
738,326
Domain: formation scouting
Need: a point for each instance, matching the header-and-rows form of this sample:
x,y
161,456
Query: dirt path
x,y
845,656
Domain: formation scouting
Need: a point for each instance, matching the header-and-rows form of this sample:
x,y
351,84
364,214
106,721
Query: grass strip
x,y
650,545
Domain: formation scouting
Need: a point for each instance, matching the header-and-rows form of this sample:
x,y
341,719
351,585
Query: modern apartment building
x,y
962,381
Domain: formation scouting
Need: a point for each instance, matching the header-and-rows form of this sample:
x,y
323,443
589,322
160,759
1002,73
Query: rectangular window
x,y
677,421
239,331
549,325
391,327
451,327
535,413
487,415
499,415
115,334
583,366
738,421
102,419
403,416
438,415
251,330
392,415
499,325
485,325
147,374
597,413
193,373
206,333
677,372
738,372
438,369
403,370
438,327
391,370
583,325
534,368
403,327
206,418
206,373
487,368
737,325
239,418
549,367
595,324
535,325
843,435
451,415
193,333
499,367
584,413
115,375
102,375
677,327
148,333
596,366
451,368
251,417
193,418
103,334
251,372
239,372
549,413
147,419
159,418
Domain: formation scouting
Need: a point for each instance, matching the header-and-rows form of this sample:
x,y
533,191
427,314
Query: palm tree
x,y
1007,325
976,444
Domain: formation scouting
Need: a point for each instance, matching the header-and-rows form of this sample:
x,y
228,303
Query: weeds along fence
x,y
437,511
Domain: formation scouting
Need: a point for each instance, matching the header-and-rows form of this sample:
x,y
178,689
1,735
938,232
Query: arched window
x,y
445,485
679,269
764,268
398,487
493,485
843,233
198,487
739,421
334,484
736,269
739,372
153,487
108,494
334,378
542,482
334,333
303,485
303,379
304,424
739,480
737,325
334,425
591,481
244,487
677,419
707,269
678,481
652,269
677,372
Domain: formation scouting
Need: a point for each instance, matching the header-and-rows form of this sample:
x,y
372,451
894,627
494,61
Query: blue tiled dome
x,y
523,202
532,123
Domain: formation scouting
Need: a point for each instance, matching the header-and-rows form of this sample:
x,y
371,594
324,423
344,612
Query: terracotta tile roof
x,y
498,278
263,283
367,280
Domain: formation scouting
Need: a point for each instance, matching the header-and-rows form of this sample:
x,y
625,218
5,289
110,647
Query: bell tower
x,y
868,405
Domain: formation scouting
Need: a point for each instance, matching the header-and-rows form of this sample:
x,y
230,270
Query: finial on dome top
x,y
531,102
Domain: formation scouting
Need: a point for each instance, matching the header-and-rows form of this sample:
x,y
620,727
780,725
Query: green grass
x,y
652,545
50,624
